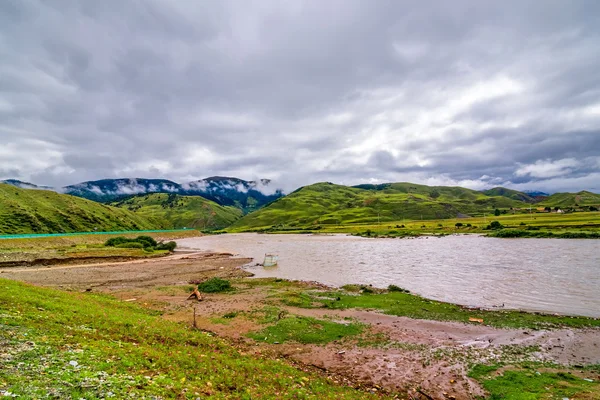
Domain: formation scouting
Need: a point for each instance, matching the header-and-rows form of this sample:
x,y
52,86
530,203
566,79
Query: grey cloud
x,y
351,91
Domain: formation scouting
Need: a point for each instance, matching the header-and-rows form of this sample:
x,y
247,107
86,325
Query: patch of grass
x,y
78,246
528,384
409,305
215,285
86,345
306,330
296,298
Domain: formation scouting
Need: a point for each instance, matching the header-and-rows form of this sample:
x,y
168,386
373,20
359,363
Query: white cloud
x,y
548,168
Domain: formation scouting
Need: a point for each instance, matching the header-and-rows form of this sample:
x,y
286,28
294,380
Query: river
x,y
550,275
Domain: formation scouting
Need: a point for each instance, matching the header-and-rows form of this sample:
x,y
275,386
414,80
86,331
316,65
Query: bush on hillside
x,y
215,285
146,239
141,242
166,246
130,245
112,242
394,288
495,225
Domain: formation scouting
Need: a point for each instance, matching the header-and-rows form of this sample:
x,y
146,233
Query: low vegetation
x,y
305,330
215,285
141,242
44,211
401,303
85,345
535,381
77,247
182,211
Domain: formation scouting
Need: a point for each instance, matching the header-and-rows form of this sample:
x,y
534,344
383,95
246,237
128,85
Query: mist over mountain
x,y
226,191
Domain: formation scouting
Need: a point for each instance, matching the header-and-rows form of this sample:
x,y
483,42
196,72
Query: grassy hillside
x,y
43,211
511,194
182,211
327,203
582,198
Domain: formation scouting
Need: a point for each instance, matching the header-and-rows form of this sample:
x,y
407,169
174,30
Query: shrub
x,y
130,245
495,225
116,241
366,289
147,241
458,224
166,246
394,288
215,285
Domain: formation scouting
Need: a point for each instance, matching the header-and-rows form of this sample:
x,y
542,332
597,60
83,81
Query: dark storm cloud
x,y
459,93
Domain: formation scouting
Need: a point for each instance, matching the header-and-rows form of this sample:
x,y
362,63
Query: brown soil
x,y
175,269
418,355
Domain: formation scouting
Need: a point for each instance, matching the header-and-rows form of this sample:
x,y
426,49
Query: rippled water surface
x,y
555,275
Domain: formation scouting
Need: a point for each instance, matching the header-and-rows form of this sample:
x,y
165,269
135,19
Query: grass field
x,y
182,211
71,248
43,211
90,346
538,223
384,208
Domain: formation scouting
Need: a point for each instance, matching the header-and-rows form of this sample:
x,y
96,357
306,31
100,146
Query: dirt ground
x,y
429,357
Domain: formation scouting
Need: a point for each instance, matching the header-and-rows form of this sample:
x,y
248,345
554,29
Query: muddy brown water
x,y
550,275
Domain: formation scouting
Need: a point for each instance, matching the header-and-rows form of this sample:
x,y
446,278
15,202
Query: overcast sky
x,y
470,93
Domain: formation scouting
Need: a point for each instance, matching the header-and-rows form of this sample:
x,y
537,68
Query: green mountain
x,y
511,194
182,211
583,198
327,203
44,211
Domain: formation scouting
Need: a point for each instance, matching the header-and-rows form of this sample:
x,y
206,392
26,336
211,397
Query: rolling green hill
x,y
182,211
44,211
327,203
582,198
511,194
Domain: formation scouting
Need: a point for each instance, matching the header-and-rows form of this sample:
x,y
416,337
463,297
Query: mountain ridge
x,y
225,191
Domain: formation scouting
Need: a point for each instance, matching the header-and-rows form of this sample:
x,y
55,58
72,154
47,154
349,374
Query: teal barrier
x,y
43,235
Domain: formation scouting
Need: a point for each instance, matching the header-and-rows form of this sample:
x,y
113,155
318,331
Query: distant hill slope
x,y
511,194
327,203
44,211
245,195
24,185
583,198
182,211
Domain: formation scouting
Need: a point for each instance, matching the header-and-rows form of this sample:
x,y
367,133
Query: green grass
x,y
401,209
531,383
182,211
409,305
78,246
583,198
43,211
306,330
91,346
215,285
